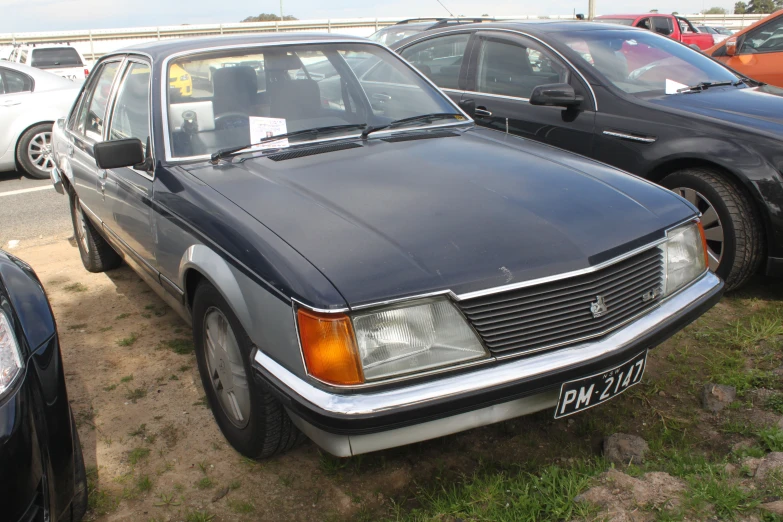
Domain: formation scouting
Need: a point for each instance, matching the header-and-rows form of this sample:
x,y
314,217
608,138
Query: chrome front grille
x,y
570,310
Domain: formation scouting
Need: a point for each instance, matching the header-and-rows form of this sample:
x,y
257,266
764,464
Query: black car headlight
x,y
10,359
684,256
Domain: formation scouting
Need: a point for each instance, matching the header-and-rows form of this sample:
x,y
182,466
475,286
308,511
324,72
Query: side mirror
x,y
119,153
731,45
555,95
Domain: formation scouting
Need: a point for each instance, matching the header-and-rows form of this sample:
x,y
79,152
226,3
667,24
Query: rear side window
x,y
12,82
55,57
440,59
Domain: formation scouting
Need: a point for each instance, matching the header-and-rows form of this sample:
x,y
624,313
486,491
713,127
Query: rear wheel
x,y
34,151
731,223
250,417
96,253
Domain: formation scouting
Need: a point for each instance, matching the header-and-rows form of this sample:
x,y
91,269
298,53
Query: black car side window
x,y
12,82
131,115
515,69
93,110
439,59
766,39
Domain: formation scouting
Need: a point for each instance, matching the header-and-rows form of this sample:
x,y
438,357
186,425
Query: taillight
x,y
86,72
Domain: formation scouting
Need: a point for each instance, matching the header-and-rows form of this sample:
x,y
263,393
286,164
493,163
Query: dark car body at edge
x,y
42,474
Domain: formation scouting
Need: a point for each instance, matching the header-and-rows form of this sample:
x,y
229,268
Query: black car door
x,y
503,71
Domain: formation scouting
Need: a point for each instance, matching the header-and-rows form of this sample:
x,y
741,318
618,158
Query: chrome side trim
x,y
632,137
57,180
349,445
368,403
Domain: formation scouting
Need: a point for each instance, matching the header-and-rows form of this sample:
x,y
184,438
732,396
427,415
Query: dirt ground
x,y
153,451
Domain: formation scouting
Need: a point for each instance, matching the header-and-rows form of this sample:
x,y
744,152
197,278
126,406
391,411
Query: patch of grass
x,y
240,506
234,484
726,498
180,346
109,388
128,341
75,287
173,377
203,466
136,455
144,483
145,315
138,432
199,516
166,499
80,326
127,378
201,402
123,315
205,483
286,479
728,367
169,434
134,395
105,329
100,502
775,403
772,438
184,368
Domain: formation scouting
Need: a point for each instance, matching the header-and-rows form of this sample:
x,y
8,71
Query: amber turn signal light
x,y
704,245
329,347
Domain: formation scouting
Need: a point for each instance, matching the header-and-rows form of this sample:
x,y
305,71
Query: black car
x,y
42,475
389,35
359,262
635,100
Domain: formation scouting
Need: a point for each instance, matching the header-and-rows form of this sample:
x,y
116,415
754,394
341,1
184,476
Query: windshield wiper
x,y
701,86
224,153
429,118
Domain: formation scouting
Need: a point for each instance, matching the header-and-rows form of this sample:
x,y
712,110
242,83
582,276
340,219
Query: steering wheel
x,y
635,74
231,120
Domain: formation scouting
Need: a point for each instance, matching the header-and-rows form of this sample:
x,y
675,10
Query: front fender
x,y
28,299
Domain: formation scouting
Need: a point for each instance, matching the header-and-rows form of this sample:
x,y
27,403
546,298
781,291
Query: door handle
x,y
69,150
481,111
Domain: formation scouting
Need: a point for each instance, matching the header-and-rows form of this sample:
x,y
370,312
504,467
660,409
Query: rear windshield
x,y
620,21
56,57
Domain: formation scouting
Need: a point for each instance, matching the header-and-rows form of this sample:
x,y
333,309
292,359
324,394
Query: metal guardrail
x,y
96,42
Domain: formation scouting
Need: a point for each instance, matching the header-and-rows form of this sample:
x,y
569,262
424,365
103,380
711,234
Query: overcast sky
x,y
52,15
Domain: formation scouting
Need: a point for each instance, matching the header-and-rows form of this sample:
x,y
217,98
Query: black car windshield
x,y
644,63
227,99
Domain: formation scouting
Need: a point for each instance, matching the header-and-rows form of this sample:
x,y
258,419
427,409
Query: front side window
x,y
93,109
440,59
12,82
511,69
55,57
241,96
131,115
645,23
663,25
641,63
765,39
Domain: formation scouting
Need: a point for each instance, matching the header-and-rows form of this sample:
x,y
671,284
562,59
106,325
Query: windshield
x,y
643,63
55,57
391,35
242,96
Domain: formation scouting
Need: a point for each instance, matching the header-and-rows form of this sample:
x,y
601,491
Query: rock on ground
x,y
620,496
715,397
772,462
624,449
773,507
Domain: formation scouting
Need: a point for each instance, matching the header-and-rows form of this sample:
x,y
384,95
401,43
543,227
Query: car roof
x,y
542,26
44,80
159,50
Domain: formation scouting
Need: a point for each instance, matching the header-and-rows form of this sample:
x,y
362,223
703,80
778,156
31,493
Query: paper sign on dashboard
x,y
261,128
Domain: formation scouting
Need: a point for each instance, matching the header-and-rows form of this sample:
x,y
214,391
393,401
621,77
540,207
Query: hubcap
x,y
80,225
226,371
713,228
39,151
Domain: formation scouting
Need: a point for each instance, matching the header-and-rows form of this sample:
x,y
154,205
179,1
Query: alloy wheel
x,y
39,151
713,228
226,370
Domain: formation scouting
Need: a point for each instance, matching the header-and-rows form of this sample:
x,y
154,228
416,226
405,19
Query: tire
x,y
96,253
79,502
261,428
743,244
34,151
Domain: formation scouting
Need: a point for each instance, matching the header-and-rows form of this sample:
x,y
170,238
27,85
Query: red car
x,y
675,27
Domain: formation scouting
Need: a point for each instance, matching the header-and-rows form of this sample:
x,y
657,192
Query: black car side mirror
x,y
555,95
119,153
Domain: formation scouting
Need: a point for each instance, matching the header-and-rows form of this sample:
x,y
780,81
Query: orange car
x,y
756,51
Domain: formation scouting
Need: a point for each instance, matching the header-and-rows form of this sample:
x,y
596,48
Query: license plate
x,y
584,393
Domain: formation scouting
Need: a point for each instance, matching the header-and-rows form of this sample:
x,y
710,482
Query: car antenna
x,y
446,8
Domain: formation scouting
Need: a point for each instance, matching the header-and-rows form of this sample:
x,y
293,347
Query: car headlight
x,y
10,358
375,345
684,256
184,78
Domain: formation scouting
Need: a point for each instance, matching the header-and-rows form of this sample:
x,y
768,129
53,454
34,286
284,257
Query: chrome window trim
x,y
511,371
513,31
165,67
631,137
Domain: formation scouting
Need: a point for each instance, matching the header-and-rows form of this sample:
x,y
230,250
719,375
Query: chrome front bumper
x,y
57,180
670,316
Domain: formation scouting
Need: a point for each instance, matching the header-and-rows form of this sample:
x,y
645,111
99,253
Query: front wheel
x,y
250,417
731,223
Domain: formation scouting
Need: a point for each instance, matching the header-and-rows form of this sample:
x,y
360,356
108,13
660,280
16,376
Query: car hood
x,y
754,109
473,211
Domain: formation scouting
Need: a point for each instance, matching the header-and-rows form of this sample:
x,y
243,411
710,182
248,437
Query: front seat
x,y
292,99
235,89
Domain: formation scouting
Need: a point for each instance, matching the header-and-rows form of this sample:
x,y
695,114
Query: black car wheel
x,y
97,255
731,224
250,417
34,151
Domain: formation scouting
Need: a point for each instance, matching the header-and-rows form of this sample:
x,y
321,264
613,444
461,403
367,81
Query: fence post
x,y
376,24
221,29
329,26
92,50
158,28
277,27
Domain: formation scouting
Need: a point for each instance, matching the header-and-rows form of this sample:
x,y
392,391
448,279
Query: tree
x,y
714,10
761,6
740,8
653,10
269,17
675,13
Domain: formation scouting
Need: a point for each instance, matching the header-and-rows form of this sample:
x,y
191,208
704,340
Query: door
x,y
15,98
87,130
129,190
760,53
502,74
442,59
